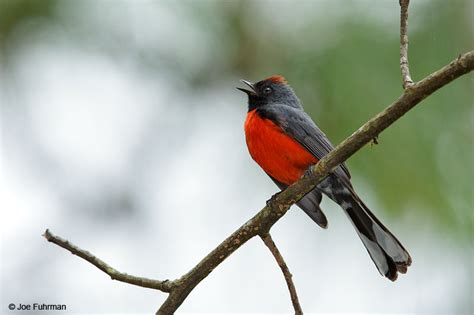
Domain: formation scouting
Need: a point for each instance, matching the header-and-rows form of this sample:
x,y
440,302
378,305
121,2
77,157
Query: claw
x,y
309,172
375,140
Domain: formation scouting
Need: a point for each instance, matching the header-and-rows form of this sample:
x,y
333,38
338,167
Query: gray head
x,y
272,90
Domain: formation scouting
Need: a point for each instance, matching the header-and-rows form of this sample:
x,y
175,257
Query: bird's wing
x,y
298,125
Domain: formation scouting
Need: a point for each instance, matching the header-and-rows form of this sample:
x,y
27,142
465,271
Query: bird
x,y
284,141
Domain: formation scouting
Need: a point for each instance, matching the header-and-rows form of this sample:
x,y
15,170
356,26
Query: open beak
x,y
250,85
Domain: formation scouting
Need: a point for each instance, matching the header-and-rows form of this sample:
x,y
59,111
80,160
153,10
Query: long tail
x,y
386,251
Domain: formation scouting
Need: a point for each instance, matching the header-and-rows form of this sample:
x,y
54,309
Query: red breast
x,y
282,157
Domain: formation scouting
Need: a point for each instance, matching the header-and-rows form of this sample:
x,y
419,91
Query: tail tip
x,y
400,267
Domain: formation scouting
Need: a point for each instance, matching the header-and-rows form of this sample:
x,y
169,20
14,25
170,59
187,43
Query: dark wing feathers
x,y
386,251
297,124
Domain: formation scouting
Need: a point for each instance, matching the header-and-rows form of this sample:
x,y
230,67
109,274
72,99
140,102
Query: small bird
x,y
285,142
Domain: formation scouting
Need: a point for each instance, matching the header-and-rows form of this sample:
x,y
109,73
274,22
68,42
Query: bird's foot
x,y
309,171
374,141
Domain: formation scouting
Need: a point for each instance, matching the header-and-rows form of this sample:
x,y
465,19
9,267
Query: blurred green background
x,y
105,103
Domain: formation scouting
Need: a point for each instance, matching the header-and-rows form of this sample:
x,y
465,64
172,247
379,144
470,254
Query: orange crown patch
x,y
277,79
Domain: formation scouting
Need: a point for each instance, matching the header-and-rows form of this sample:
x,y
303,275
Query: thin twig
x,y
267,239
164,286
407,81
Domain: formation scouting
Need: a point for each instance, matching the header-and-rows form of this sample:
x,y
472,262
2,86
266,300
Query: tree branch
x,y
267,239
278,205
407,81
164,286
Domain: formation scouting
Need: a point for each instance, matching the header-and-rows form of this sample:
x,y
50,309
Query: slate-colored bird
x,y
285,142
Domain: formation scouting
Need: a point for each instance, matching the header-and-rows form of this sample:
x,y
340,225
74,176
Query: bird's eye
x,y
267,90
